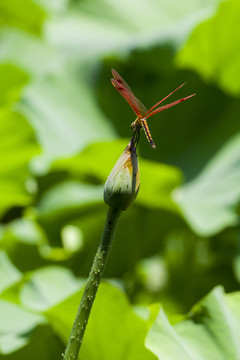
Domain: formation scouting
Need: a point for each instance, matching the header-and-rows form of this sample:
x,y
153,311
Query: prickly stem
x,y
92,284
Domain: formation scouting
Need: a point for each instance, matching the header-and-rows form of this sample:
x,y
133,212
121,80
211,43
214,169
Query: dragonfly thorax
x,y
136,125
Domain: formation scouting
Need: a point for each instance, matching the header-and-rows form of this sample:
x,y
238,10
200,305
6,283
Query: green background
x,y
63,126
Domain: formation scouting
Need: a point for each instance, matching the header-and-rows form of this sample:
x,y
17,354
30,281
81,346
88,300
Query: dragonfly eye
x,y
133,126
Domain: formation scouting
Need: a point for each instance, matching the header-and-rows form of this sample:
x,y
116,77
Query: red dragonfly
x,y
140,110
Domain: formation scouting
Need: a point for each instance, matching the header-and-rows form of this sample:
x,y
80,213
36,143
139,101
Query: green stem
x,y
92,284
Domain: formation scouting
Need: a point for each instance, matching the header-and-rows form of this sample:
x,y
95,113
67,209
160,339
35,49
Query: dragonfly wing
x,y
121,81
121,85
159,102
161,108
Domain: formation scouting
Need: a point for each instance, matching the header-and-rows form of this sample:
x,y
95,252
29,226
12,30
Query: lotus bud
x,y
122,185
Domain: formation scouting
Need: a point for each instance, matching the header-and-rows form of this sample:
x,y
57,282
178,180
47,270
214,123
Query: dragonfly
x,y
140,110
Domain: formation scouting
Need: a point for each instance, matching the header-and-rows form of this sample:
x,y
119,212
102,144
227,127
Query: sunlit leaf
x,y
213,48
209,331
25,14
12,81
125,340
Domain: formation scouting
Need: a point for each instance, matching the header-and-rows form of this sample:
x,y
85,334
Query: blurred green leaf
x,y
209,202
216,57
25,14
47,287
40,343
53,6
92,29
12,81
236,267
36,292
25,230
9,274
25,243
69,196
94,162
27,52
209,331
65,117
157,183
15,325
17,147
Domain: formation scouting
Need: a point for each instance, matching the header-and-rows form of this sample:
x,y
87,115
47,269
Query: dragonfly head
x,y
136,125
133,126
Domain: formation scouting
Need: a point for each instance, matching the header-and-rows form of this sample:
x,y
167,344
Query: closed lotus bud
x,y
122,185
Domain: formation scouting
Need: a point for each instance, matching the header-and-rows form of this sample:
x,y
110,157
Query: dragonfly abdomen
x,y
147,133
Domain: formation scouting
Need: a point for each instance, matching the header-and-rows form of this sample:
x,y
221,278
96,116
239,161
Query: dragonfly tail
x,y
148,134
